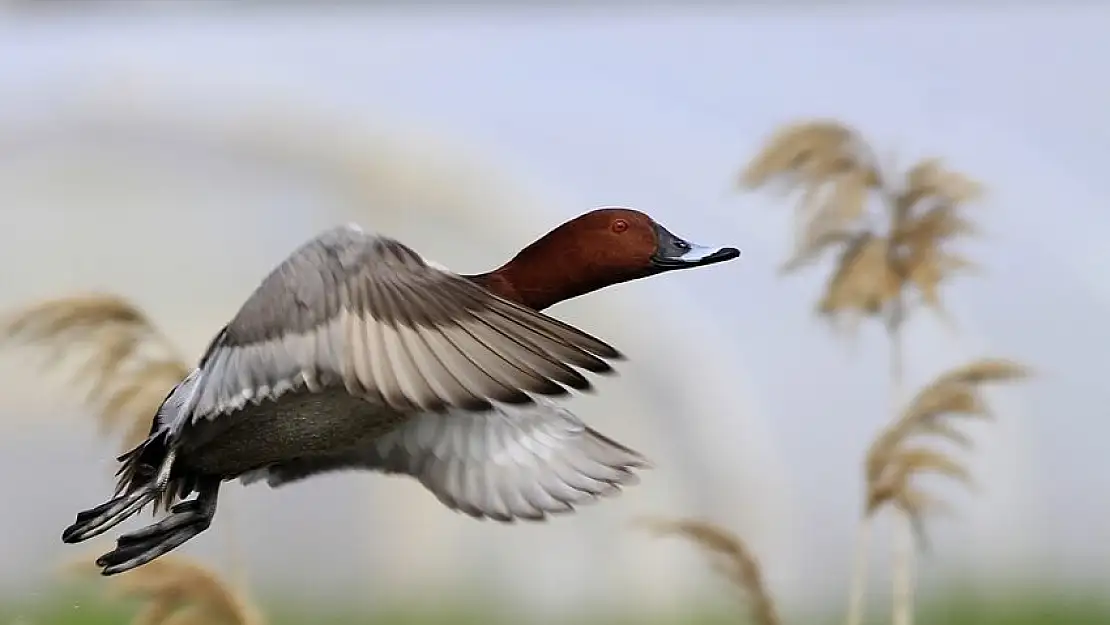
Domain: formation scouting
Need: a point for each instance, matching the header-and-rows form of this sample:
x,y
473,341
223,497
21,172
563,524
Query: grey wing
x,y
507,463
368,313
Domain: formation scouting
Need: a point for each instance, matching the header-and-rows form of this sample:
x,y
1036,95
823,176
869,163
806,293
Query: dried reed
x,y
178,591
891,256
131,366
893,458
880,255
730,557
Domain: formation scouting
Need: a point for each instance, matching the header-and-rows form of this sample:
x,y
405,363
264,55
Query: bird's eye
x,y
682,245
620,225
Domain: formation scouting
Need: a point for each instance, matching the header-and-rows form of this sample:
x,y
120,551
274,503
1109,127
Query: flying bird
x,y
357,353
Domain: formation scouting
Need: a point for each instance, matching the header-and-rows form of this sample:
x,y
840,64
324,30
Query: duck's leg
x,y
187,519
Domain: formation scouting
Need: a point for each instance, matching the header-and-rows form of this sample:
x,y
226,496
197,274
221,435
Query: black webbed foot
x,y
104,517
186,520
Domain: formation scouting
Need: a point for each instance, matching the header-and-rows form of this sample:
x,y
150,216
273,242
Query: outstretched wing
x,y
506,463
368,313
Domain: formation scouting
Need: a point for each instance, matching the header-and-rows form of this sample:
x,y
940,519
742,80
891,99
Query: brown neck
x,y
540,280
524,288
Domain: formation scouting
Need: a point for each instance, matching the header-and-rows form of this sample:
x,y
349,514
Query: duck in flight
x,y
356,353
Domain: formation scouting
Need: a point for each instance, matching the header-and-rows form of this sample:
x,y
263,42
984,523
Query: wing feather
x,y
367,313
511,462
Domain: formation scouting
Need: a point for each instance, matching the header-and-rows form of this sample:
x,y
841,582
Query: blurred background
x,y
173,152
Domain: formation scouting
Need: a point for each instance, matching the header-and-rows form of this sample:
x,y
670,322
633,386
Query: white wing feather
x,y
511,462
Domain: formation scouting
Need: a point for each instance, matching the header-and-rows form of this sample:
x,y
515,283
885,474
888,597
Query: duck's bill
x,y
675,253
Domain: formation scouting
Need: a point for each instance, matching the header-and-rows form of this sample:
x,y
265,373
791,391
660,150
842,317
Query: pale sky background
x,y
655,110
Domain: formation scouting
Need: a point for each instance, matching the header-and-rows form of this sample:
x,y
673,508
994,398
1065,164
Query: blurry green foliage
x,y
1040,608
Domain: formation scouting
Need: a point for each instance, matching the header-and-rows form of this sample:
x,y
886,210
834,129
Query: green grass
x,y
1035,608
1041,608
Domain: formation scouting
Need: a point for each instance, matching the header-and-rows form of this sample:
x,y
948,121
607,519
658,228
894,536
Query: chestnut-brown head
x,y
601,248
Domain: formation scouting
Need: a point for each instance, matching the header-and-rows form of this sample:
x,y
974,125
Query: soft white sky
x,y
658,111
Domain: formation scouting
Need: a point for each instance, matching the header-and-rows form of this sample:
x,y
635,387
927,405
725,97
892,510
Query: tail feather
x,y
139,468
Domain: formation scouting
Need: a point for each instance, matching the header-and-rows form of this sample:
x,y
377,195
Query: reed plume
x,y
730,557
178,591
895,456
130,364
890,237
130,367
881,256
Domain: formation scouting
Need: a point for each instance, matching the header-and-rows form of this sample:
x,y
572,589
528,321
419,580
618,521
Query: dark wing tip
x,y
596,365
578,382
550,388
608,352
523,397
476,404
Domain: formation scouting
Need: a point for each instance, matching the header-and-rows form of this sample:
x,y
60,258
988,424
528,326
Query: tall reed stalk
x,y
889,237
